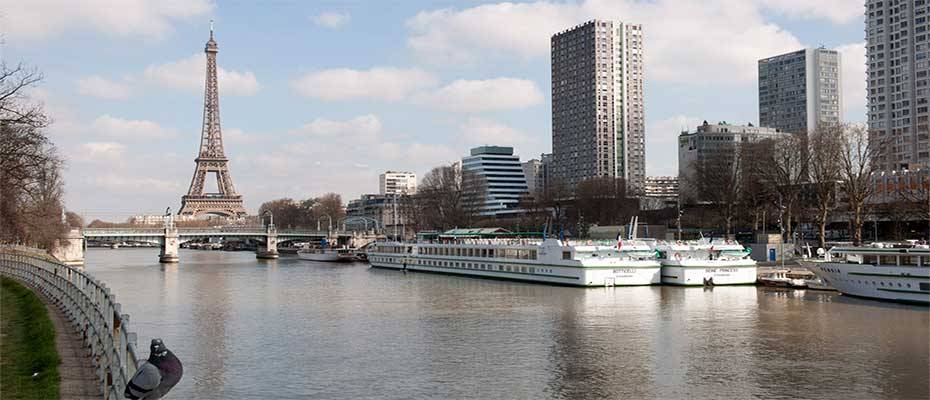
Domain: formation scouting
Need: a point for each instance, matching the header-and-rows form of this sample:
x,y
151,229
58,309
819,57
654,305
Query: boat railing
x,y
486,241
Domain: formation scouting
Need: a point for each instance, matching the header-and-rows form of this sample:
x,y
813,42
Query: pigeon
x,y
155,376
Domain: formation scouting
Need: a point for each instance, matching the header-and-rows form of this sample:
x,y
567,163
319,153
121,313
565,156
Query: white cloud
x,y
102,88
380,83
130,129
337,155
331,19
853,74
65,122
189,74
836,11
686,41
483,131
103,152
41,19
483,95
134,184
364,127
662,143
424,156
236,135
457,35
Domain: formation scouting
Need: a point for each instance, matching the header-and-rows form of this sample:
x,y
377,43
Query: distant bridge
x,y
187,234
169,237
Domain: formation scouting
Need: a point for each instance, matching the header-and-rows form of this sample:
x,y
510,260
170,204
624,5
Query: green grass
x,y
27,345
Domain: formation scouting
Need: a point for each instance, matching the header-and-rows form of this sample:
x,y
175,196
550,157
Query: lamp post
x,y
270,218
329,220
394,215
781,229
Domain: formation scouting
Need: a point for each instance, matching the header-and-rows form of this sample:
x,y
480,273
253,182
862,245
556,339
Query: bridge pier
x,y
70,249
169,246
270,250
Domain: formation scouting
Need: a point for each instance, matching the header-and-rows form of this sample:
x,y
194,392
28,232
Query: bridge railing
x,y
89,305
199,231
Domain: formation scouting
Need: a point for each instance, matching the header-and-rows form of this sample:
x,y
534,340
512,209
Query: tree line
x,y
31,187
308,213
828,174
792,176
449,197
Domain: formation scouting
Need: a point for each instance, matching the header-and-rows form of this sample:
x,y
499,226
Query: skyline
x,y
309,84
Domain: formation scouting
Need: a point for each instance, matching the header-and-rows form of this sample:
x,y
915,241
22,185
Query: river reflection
x,y
293,329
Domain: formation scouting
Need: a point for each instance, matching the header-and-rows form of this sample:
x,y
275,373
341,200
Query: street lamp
x,y
781,229
328,218
270,218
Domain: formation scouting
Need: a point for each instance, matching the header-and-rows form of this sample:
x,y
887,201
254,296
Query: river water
x,y
290,329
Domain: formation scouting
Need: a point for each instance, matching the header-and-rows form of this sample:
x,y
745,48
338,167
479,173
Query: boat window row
x,y
468,265
517,254
390,249
923,286
898,260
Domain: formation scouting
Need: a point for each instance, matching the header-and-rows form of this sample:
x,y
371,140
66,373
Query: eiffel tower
x,y
212,159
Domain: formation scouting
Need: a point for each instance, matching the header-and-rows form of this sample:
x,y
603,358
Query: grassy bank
x,y
27,345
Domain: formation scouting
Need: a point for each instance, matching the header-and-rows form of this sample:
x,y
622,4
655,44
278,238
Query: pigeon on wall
x,y
155,376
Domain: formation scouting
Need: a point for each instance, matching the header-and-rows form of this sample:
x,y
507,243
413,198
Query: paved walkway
x,y
78,380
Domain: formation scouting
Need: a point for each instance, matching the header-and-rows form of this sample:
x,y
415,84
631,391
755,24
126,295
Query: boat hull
x,y
707,272
323,257
890,283
632,274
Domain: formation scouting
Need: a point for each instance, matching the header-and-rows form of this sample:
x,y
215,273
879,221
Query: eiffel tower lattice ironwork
x,y
212,159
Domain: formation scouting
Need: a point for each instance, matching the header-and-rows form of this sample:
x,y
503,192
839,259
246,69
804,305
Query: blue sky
x,y
323,96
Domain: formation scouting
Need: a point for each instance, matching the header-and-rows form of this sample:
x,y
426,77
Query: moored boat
x,y
326,254
895,272
706,262
545,260
788,278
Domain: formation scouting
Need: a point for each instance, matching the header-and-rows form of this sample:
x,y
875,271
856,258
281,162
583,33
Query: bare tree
x,y
911,196
30,168
535,214
603,201
16,107
718,180
856,160
782,163
825,172
756,203
556,196
74,220
287,212
446,198
329,204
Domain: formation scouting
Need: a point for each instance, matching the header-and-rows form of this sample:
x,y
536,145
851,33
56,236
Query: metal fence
x,y
90,307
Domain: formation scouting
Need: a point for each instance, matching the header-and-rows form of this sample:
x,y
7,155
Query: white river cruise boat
x,y
706,262
545,261
884,272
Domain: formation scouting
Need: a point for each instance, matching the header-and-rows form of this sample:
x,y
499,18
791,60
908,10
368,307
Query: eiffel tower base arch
x,y
227,206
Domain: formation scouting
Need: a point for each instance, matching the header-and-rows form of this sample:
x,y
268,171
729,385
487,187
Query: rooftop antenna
x,y
211,28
